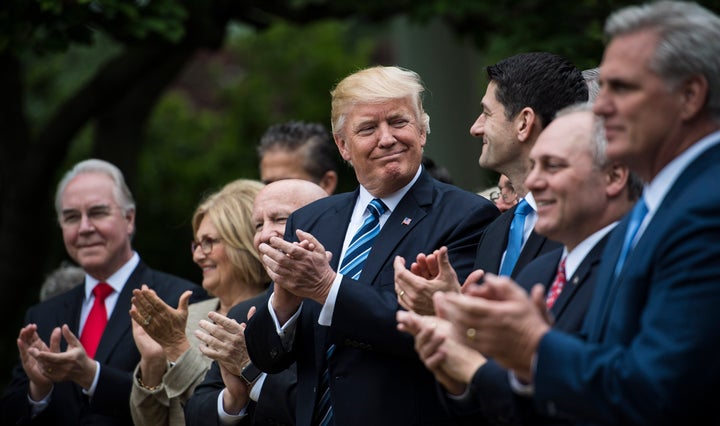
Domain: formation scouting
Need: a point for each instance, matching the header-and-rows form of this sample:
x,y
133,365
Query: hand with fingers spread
x,y
428,274
499,320
40,383
71,365
303,268
161,322
224,340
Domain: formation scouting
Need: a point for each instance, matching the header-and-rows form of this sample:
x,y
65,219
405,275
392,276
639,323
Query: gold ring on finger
x,y
147,320
402,293
470,333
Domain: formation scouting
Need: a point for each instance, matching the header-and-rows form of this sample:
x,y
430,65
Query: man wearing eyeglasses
x,y
76,350
505,197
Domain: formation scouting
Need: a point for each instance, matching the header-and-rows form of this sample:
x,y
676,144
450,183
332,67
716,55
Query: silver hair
x,y
122,193
591,77
687,45
62,279
599,147
598,140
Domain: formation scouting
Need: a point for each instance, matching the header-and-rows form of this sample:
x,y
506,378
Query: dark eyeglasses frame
x,y
206,245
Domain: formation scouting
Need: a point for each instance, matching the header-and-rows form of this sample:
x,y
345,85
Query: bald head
x,y
276,201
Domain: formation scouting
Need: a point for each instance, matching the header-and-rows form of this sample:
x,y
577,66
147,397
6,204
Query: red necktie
x,y
557,285
97,319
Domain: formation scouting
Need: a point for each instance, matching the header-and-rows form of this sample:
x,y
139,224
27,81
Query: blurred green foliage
x,y
203,132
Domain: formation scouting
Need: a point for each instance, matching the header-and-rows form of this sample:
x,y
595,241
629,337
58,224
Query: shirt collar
x,y
392,200
656,190
117,280
580,252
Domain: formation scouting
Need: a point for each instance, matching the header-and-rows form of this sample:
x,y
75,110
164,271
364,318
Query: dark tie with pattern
x,y
557,285
351,266
97,319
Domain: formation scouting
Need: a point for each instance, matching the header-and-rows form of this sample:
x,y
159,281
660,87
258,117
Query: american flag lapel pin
x,y
406,221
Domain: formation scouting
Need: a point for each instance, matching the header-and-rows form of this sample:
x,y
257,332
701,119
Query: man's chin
x,y
91,261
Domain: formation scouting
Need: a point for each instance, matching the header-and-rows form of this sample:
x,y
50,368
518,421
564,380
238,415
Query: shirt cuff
x,y
257,387
326,313
226,418
519,387
286,331
90,392
38,406
463,396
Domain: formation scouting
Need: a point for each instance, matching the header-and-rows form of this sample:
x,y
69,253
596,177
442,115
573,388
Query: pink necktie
x,y
557,285
97,320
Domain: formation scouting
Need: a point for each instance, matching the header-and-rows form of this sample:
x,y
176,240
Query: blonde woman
x,y
171,365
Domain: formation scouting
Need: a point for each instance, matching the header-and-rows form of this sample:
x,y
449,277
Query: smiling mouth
x,y
89,245
391,155
544,203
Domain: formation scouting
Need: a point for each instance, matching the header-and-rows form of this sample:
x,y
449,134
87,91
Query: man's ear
x,y
616,179
130,217
342,147
693,92
329,182
525,124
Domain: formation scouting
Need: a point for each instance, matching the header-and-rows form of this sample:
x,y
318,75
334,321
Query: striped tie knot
x,y
362,241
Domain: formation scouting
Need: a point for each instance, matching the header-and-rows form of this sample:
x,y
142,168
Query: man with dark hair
x,y
298,150
524,94
648,350
583,196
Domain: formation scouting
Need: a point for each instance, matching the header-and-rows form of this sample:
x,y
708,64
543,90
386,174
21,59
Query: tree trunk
x,y
28,227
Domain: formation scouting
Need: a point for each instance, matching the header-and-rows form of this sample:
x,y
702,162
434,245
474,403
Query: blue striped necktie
x,y
351,266
362,241
515,237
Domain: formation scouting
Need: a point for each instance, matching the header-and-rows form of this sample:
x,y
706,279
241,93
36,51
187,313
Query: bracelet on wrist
x,y
146,387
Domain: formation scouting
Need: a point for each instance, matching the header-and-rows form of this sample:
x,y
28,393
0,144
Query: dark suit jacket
x,y
491,397
494,241
376,376
116,354
653,334
276,405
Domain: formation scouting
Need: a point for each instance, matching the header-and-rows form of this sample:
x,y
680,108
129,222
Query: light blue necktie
x,y
351,266
515,237
636,218
362,241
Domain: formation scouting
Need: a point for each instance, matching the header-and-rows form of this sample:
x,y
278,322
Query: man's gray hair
x,y
122,193
688,42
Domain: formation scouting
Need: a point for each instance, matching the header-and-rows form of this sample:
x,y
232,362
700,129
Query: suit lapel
x,y
397,226
584,270
335,222
493,243
72,311
608,285
529,251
